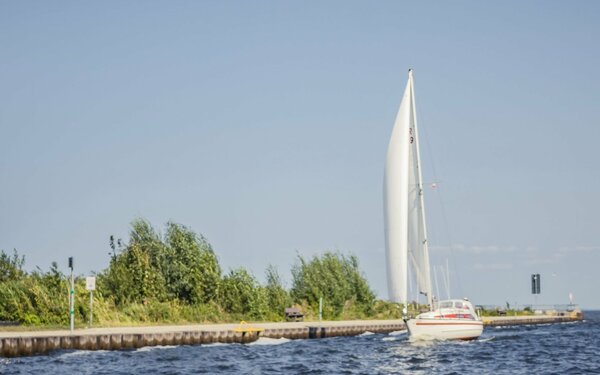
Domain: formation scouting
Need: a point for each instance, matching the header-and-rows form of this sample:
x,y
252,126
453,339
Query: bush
x,y
337,279
242,295
177,278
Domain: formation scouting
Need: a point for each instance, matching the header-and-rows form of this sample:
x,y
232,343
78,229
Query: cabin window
x,y
445,305
458,305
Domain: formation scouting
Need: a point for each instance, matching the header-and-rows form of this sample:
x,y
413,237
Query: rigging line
x,y
451,242
437,289
418,275
441,201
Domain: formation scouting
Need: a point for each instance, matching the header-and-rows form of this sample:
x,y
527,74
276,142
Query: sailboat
x,y
407,250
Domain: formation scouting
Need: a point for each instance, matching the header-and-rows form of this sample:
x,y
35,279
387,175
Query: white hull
x,y
444,329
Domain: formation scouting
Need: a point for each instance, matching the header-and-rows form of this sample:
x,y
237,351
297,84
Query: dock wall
x,y
27,345
533,319
13,344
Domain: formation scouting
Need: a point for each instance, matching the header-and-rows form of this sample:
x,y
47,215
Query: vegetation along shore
x,y
176,278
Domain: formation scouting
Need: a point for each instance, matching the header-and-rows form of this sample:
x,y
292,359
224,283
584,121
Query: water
x,y
572,348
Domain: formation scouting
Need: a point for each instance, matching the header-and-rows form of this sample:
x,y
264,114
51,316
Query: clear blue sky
x,y
264,126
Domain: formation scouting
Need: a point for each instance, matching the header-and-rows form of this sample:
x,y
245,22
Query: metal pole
x,y
91,315
320,308
72,302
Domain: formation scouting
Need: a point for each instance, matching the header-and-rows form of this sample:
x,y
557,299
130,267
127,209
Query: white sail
x,y
395,201
404,216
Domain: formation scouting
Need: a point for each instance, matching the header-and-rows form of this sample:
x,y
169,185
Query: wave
x,y
152,348
269,341
78,353
218,344
366,333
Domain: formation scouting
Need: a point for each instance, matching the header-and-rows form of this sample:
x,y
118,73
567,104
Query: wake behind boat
x,y
406,235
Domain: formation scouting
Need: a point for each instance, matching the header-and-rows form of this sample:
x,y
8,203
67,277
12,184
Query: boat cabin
x,y
455,308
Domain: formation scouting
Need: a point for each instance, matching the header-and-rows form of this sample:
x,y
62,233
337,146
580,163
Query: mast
x,y
425,248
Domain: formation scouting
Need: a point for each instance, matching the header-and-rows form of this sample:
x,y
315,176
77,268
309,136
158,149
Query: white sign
x,y
90,283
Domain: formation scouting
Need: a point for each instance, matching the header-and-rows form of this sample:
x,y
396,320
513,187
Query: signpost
x,y
72,296
90,284
320,308
535,285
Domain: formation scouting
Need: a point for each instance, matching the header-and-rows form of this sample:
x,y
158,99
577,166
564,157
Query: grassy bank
x,y
176,278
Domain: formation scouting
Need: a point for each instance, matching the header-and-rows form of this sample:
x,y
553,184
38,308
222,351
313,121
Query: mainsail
x,y
404,213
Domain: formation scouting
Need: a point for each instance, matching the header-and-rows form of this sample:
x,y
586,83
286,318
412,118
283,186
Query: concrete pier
x,y
13,344
530,319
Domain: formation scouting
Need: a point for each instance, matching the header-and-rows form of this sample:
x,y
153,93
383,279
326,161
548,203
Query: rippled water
x,y
558,348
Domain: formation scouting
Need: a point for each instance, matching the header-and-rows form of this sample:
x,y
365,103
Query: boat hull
x,y
444,329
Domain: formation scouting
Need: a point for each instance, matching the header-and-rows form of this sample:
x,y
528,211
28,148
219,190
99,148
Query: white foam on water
x,y
217,344
575,322
397,333
78,353
486,339
158,347
424,341
366,333
269,341
388,338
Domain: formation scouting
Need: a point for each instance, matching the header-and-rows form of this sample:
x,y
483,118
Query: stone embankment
x,y
14,343
530,319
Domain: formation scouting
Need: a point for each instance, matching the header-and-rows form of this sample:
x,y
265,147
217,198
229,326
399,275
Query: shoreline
x,y
25,343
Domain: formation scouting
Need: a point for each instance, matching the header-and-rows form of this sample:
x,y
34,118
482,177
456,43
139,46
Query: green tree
x,y
181,266
278,297
11,267
39,298
241,294
334,277
189,266
134,273
210,272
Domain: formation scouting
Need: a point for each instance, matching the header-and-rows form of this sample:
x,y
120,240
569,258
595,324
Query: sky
x,y
264,127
